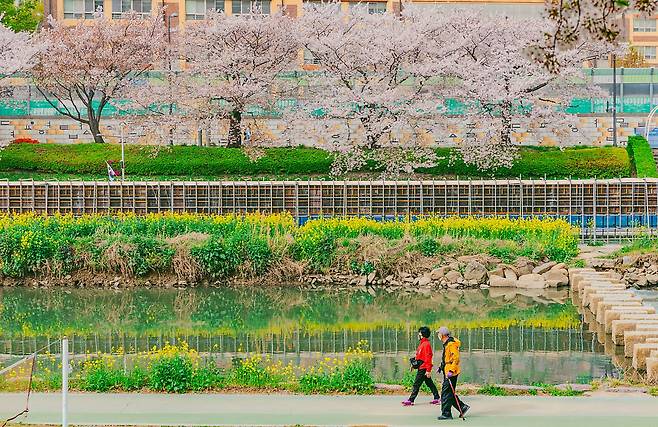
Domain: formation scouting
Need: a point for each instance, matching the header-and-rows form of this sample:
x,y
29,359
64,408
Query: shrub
x,y
218,258
207,378
351,374
428,246
641,157
172,369
254,372
99,374
492,390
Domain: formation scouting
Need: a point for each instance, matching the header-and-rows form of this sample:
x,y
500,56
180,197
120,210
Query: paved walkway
x,y
280,409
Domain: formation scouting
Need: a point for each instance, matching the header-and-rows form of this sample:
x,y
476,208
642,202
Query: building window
x,y
642,25
197,9
309,58
244,7
81,9
371,7
140,7
648,52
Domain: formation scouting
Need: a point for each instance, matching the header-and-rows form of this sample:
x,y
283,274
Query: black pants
x,y
420,379
448,397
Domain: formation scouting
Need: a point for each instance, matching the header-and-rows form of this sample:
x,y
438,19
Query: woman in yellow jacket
x,y
450,368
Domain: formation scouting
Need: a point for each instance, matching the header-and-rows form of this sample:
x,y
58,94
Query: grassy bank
x,y
641,157
202,247
88,161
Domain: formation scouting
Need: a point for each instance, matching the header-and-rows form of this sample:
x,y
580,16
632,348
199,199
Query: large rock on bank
x,y
531,281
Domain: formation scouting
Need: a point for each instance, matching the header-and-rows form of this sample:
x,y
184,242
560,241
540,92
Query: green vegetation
x,y
641,156
644,243
552,390
195,248
87,161
23,15
492,390
180,369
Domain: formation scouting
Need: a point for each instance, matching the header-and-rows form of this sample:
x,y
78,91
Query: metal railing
x,y
610,208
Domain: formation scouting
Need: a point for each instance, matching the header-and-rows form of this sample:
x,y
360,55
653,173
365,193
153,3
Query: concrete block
x,y
631,338
599,287
590,297
605,305
619,327
611,299
640,354
616,312
652,368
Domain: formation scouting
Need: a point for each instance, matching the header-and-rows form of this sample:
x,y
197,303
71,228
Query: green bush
x,y
172,373
641,156
492,390
218,258
207,378
354,377
99,375
185,162
540,162
252,373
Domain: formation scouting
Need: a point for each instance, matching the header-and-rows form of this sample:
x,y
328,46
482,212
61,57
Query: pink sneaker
x,y
407,403
435,402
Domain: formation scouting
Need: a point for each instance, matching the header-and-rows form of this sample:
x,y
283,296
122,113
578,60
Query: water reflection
x,y
508,336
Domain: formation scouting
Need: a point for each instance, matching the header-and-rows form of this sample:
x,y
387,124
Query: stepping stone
x,y
620,327
613,298
602,307
616,312
641,352
631,338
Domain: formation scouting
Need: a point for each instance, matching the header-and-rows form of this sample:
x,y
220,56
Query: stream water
x,y
509,336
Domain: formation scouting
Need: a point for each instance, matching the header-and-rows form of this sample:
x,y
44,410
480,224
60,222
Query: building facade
x,y
641,33
182,11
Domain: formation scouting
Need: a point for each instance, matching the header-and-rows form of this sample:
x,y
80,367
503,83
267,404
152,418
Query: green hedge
x,y
537,162
198,162
641,157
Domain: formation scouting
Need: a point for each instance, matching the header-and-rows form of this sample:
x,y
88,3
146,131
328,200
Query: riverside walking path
x,y
600,410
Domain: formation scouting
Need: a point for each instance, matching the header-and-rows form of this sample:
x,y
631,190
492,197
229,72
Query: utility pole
x,y
614,100
65,381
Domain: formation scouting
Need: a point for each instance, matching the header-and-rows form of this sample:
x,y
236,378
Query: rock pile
x,y
636,270
472,271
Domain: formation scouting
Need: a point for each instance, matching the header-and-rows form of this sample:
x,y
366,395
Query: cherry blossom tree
x,y
85,66
499,84
16,51
574,21
375,70
234,63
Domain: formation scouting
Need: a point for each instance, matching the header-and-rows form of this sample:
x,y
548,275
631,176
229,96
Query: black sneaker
x,y
465,409
443,417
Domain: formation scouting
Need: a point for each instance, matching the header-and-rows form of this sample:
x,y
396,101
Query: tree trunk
x,y
506,119
235,130
372,138
94,128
